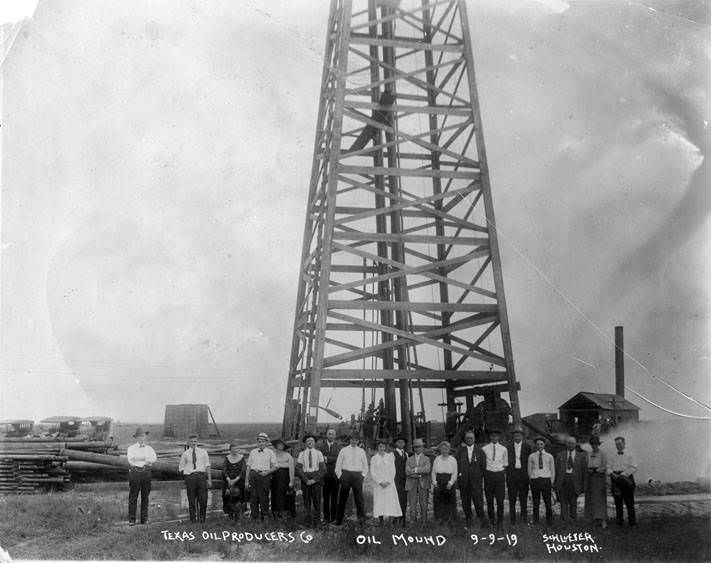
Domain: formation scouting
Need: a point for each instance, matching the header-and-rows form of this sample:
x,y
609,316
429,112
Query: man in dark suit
x,y
471,463
400,474
329,448
517,474
571,470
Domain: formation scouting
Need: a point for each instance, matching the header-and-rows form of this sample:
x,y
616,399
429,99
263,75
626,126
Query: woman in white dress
x,y
382,470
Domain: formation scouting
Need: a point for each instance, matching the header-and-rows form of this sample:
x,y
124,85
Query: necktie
x,y
142,446
540,460
194,459
493,449
570,460
311,464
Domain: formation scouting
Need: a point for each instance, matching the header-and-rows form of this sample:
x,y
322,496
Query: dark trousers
x,y
260,486
568,498
472,493
401,496
139,481
350,480
517,481
444,501
331,487
196,488
495,489
541,486
312,499
623,494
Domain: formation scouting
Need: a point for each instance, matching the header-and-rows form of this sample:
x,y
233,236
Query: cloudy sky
x,y
155,165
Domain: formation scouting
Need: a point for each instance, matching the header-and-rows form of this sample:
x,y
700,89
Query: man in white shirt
x,y
541,470
351,469
621,467
311,468
140,458
261,463
495,477
195,467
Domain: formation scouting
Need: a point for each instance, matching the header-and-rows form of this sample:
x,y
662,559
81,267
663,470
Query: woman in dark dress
x,y
283,479
233,472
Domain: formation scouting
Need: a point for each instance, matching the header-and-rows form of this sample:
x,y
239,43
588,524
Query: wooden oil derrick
x,y
400,284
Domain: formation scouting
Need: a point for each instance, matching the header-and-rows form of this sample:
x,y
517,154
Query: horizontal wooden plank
x,y
421,239
479,375
404,43
425,384
435,110
413,172
412,306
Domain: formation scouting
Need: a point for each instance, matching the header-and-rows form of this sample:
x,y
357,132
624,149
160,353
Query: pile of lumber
x,y
31,465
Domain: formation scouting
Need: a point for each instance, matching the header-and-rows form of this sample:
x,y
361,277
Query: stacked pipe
x,y
30,465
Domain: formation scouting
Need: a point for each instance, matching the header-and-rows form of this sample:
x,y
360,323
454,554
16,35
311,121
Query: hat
x,y
140,432
418,442
263,435
518,430
193,436
541,438
401,438
595,440
307,436
276,441
354,435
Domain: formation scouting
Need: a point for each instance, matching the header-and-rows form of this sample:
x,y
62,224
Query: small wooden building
x,y
588,413
183,420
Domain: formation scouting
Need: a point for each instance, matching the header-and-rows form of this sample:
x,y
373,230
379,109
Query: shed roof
x,y
62,419
607,401
17,421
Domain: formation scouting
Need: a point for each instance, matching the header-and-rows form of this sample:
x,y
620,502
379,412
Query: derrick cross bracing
x,y
400,281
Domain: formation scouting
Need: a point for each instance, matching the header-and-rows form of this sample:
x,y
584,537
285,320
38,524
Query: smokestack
x,y
619,362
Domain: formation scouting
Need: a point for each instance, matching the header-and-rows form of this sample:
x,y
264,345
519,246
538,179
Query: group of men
x,y
329,472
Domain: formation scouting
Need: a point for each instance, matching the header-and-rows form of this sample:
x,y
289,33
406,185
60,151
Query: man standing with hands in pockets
x,y
140,458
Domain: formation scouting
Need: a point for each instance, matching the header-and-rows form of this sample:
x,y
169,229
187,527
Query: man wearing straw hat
x,y
140,458
311,468
261,463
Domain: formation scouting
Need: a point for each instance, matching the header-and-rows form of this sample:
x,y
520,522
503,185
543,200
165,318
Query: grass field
x,y
91,525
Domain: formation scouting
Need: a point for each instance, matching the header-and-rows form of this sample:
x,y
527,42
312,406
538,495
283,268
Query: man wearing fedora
x,y
140,458
311,468
418,468
517,474
351,469
195,467
261,464
400,474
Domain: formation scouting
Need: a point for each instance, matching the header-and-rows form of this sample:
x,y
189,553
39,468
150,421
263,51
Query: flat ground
x,y
91,524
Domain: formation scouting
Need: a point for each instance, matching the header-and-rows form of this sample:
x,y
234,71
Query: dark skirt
x,y
234,495
280,486
444,501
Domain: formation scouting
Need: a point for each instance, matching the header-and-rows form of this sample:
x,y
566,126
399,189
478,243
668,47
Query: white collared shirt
x,y
470,452
626,463
351,458
138,455
517,454
569,470
262,461
497,457
548,469
201,463
316,459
